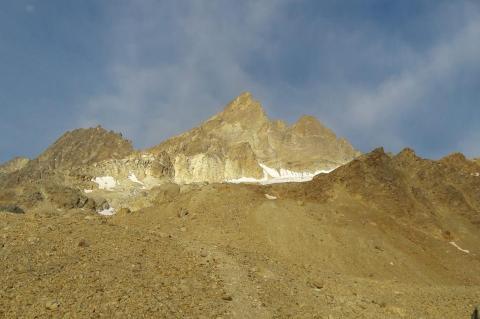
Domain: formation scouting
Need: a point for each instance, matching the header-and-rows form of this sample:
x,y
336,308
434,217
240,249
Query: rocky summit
x,y
242,143
209,224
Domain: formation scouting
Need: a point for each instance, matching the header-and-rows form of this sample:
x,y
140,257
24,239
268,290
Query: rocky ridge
x,y
238,144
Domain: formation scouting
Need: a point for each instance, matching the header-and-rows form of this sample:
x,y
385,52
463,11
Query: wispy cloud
x,y
173,64
30,8
376,110
169,74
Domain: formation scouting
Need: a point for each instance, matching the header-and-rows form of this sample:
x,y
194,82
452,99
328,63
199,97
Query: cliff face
x,y
236,142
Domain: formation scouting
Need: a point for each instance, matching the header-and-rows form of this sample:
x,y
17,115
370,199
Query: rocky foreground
x,y
382,237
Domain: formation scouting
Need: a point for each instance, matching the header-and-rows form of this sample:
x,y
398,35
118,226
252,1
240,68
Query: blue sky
x,y
380,73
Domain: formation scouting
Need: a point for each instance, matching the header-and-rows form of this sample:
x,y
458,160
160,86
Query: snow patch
x,y
270,196
105,182
107,212
282,175
134,178
270,172
244,180
148,156
88,191
458,247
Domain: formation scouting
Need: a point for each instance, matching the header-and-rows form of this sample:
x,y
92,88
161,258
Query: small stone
x,y
227,298
183,212
203,253
317,284
14,209
52,305
33,240
83,243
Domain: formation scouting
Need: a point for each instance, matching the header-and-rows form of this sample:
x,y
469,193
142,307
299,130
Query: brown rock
x,y
83,243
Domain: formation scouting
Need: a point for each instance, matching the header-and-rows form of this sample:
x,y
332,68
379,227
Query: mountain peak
x,y
308,121
244,100
86,146
245,95
308,125
244,108
407,154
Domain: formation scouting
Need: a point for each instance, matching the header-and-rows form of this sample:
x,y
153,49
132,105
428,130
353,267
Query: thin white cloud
x,y
174,64
375,113
152,100
30,8
401,92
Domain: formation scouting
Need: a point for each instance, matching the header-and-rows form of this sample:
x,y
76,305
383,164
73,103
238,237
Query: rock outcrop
x,y
143,169
83,147
13,165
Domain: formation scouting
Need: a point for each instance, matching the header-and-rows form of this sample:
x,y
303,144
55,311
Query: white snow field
x,y
272,176
105,182
458,247
107,212
268,196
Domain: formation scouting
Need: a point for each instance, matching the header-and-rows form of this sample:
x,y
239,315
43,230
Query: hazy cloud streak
x,y
173,64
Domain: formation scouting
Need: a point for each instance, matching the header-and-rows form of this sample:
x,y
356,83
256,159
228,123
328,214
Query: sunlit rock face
x,y
235,143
